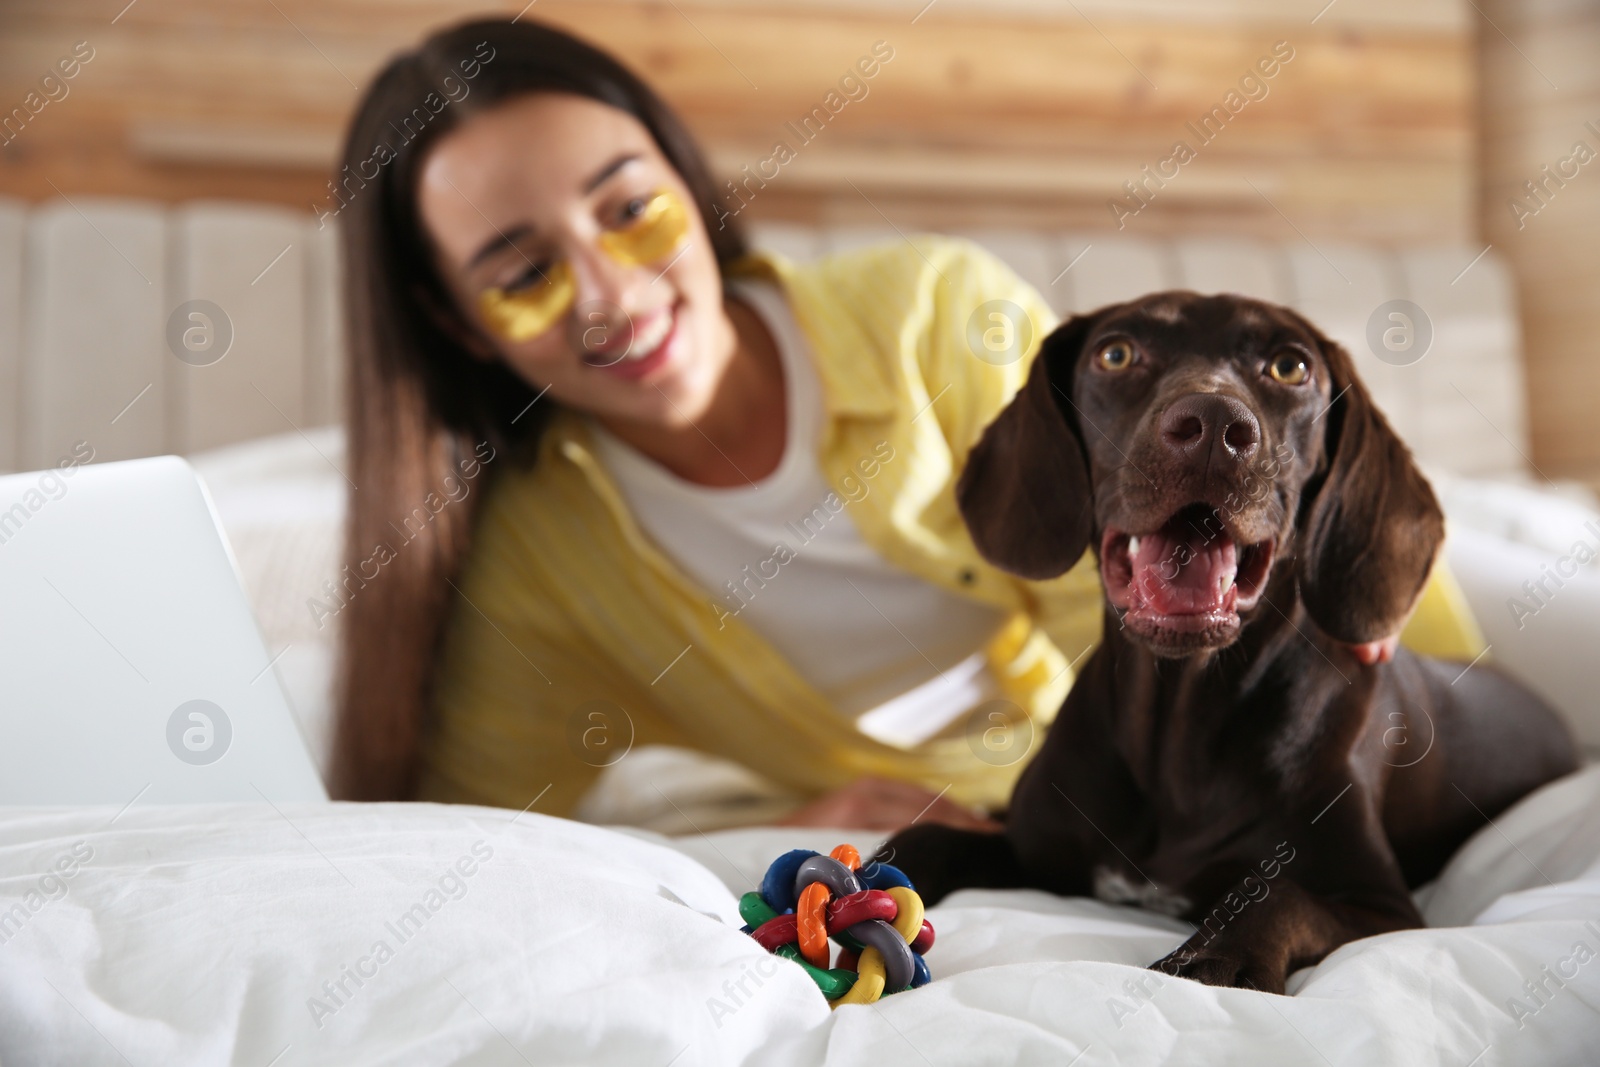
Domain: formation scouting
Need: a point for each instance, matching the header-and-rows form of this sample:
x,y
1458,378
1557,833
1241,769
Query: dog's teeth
x,y
1227,583
1133,546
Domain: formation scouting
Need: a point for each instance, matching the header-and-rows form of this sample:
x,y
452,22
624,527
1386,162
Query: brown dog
x,y
1224,756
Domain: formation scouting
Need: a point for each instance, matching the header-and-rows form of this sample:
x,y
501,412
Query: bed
x,y
251,935
425,934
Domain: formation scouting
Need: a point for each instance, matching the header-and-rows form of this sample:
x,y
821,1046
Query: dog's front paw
x,y
1222,963
927,855
941,859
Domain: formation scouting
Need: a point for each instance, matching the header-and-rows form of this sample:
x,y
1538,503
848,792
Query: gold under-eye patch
x,y
523,314
658,231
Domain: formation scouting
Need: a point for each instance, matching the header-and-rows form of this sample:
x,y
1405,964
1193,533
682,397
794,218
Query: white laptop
x,y
131,667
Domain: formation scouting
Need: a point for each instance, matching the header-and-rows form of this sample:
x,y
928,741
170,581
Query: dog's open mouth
x,y
1181,587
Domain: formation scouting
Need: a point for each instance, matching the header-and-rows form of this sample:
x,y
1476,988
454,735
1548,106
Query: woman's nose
x,y
608,295
603,281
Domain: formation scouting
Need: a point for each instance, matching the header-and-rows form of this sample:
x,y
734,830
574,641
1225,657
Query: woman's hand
x,y
1376,651
882,804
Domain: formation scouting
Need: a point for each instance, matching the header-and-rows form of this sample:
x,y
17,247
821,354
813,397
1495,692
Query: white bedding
x,y
204,935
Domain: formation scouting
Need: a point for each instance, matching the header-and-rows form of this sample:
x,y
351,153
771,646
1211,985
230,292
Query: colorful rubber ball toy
x,y
872,914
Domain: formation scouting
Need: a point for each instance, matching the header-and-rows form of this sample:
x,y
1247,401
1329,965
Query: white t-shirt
x,y
900,654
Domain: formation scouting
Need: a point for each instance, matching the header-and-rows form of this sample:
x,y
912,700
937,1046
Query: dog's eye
x,y
1118,355
1289,368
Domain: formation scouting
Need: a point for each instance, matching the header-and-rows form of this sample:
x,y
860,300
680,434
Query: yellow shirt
x,y
572,637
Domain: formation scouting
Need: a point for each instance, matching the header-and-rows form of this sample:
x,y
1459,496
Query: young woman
x,y
702,497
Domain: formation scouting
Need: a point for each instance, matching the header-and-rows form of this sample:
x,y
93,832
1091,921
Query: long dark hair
x,y
417,402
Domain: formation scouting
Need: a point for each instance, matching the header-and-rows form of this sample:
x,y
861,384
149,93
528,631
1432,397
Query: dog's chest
x,y
1116,887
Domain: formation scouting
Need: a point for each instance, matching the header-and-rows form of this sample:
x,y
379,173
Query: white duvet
x,y
425,934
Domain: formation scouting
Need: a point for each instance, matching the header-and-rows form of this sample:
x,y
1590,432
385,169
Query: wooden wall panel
x,y
1541,101
13,243
989,113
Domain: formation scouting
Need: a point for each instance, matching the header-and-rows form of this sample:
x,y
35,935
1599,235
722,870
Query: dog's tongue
x,y
1178,570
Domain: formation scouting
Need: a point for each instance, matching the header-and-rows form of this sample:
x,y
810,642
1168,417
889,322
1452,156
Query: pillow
x,y
282,502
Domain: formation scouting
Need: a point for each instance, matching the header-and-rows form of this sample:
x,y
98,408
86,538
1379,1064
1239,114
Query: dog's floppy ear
x,y
1370,532
1024,492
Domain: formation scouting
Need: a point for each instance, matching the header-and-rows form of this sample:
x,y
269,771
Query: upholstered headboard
x,y
95,310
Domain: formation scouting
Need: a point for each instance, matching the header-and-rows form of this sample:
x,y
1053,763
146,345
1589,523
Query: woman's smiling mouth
x,y
639,349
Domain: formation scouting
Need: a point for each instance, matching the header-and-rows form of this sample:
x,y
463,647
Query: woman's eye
x,y
1118,355
650,229
634,208
1289,368
535,274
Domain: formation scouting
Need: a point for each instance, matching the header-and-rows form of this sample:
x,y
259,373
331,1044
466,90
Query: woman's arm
x,y
524,700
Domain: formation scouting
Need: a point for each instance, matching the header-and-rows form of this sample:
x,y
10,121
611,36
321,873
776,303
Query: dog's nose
x,y
1206,424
